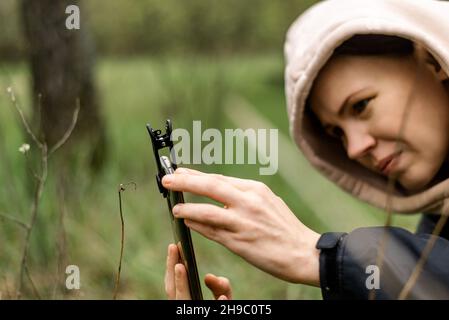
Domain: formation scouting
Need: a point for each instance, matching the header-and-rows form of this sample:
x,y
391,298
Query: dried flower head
x,y
11,94
24,148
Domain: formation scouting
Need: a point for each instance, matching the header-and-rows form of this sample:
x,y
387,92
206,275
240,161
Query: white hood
x,y
309,44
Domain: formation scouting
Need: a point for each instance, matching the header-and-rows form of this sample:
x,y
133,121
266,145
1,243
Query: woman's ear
x,y
421,54
435,67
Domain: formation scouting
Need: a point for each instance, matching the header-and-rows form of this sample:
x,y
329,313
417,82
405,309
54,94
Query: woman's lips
x,y
390,164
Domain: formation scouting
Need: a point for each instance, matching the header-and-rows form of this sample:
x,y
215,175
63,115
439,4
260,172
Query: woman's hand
x,y
254,223
177,284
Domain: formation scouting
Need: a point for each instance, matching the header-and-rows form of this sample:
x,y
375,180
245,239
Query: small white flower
x,y
24,148
11,94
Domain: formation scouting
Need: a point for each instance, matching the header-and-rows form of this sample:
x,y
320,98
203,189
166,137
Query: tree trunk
x,y
62,69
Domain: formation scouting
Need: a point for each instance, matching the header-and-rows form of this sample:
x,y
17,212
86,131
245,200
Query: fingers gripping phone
x,y
181,232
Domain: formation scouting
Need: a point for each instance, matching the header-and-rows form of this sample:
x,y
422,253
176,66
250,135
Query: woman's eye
x,y
360,106
336,132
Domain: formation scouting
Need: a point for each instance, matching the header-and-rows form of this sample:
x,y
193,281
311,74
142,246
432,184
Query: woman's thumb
x,y
219,286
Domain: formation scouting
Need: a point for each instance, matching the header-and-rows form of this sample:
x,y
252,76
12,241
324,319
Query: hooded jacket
x,y
348,262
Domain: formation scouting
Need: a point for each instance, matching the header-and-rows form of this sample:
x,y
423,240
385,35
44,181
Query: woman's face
x,y
364,100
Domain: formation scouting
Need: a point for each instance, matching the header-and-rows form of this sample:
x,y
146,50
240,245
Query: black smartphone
x,y
166,164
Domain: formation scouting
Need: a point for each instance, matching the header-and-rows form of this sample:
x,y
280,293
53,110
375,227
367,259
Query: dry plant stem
x,y
34,211
441,222
22,117
122,241
384,240
67,134
430,243
117,279
15,220
392,178
423,258
40,178
36,292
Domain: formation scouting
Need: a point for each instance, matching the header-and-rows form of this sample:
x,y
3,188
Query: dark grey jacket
x,y
347,260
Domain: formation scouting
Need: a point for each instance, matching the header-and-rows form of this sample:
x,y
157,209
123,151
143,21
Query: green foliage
x,y
162,27
192,26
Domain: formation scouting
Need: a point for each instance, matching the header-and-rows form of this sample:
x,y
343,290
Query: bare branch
x,y
22,116
122,242
41,180
423,258
393,178
34,211
15,220
36,292
69,131
32,172
384,239
443,219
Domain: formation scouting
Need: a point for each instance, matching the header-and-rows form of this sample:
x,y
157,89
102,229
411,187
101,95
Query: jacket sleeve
x,y
350,267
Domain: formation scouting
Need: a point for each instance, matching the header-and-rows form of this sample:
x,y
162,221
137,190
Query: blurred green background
x,y
220,62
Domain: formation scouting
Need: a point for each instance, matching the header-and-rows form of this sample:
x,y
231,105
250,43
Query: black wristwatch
x,y
329,243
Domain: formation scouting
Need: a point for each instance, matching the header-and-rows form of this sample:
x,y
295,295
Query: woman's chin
x,y
414,183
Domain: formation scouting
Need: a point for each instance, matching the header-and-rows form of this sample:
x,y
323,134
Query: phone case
x,y
181,232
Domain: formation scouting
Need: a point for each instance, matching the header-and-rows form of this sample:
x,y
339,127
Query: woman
x,y
368,101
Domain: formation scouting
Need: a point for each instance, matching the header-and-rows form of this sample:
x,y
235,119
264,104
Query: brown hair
x,y
368,45
375,44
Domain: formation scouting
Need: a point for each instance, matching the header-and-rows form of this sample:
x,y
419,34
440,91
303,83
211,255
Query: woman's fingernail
x,y
167,179
175,210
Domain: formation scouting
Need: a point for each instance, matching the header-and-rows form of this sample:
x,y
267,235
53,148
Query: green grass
x,y
132,93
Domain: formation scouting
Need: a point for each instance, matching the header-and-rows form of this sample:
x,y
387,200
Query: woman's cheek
x,y
418,172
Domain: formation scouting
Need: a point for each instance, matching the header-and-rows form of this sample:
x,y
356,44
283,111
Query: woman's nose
x,y
358,143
